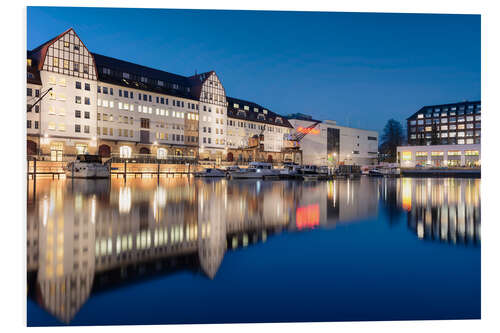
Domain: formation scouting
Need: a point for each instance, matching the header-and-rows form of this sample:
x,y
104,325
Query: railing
x,y
148,158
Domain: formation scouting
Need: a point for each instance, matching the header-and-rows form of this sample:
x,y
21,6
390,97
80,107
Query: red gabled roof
x,y
40,52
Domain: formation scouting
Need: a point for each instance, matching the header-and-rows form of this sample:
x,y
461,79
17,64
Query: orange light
x,y
303,130
307,217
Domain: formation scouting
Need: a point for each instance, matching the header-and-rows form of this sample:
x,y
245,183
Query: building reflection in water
x,y
85,236
446,209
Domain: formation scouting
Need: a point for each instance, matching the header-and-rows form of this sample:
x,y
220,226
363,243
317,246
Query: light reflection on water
x,y
85,236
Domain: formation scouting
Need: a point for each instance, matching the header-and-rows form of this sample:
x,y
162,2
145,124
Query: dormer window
x,y
160,83
236,106
260,116
106,71
246,107
126,75
279,120
265,111
144,79
241,113
256,109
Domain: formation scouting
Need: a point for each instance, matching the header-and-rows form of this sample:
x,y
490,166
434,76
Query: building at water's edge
x,y
445,135
82,102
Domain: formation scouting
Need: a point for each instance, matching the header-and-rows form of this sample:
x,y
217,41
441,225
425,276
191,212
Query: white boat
x,y
385,172
87,166
290,170
210,172
309,169
256,170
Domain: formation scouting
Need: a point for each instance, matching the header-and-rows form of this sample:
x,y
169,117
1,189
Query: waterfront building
x,y
256,133
443,135
99,104
440,155
328,144
83,102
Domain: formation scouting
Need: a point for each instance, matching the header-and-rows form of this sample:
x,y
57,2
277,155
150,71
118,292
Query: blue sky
x,y
359,69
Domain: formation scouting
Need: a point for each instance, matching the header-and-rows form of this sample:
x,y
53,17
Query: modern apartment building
x,y
445,124
443,135
328,144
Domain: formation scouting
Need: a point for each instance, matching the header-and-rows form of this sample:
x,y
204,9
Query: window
x,y
125,152
144,123
126,75
30,92
78,99
421,154
86,129
372,138
87,100
78,85
78,114
77,128
87,86
87,115
36,124
86,69
76,67
29,124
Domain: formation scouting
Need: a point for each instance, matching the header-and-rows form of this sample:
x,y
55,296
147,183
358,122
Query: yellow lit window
x,y
472,152
29,62
62,127
437,153
52,125
66,64
406,155
421,153
454,153
428,128
55,62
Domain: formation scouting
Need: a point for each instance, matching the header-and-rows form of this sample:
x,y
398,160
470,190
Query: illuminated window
x,y
62,127
52,125
472,153
55,62
406,155
125,152
421,154
454,153
437,153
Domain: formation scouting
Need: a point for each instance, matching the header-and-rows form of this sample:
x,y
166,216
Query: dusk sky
x,y
358,69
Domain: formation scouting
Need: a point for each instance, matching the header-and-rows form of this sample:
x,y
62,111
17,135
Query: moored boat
x,y
210,172
256,170
87,166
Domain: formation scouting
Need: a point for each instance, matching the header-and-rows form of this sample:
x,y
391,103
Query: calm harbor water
x,y
186,250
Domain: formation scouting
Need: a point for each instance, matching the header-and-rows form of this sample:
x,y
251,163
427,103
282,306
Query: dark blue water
x,y
369,249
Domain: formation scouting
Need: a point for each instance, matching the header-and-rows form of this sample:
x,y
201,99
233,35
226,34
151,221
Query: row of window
x,y
460,119
147,98
35,108
446,134
441,153
120,132
66,65
78,100
78,128
209,130
217,141
445,127
453,141
35,123
78,85
30,92
453,109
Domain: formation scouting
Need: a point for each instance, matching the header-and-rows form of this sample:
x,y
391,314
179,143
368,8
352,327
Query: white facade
x,y
213,114
355,146
122,113
440,155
